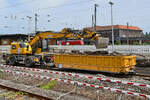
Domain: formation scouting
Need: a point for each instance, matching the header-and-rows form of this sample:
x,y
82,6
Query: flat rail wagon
x,y
112,64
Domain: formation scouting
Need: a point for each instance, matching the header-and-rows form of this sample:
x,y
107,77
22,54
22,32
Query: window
x,y
22,45
13,46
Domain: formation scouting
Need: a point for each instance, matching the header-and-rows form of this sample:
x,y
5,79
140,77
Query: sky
x,y
55,15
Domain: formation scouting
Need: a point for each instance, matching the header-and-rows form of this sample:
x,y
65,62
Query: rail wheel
x,y
12,60
29,61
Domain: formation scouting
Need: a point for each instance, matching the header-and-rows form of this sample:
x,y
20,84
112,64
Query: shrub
x,y
49,85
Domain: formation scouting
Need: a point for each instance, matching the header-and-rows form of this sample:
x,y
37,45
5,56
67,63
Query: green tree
x,y
118,42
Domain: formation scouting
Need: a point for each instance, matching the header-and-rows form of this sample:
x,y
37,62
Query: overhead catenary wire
x,y
55,18
52,7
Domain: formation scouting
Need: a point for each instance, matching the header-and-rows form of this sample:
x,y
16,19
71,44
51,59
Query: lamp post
x,y
95,15
111,4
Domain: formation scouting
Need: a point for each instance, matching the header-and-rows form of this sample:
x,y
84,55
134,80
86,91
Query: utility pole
x,y
95,13
92,21
36,22
111,4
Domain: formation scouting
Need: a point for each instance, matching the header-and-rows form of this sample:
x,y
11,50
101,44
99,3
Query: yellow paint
x,y
36,59
38,50
16,49
117,64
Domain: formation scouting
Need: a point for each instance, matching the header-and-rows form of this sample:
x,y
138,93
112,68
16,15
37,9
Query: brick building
x,y
125,34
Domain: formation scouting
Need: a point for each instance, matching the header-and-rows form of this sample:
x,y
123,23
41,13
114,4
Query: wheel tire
x,y
7,61
12,60
29,62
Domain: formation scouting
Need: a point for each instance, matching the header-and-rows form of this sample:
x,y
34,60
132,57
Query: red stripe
x,y
143,85
45,71
62,80
99,78
108,80
76,75
84,84
91,85
143,95
56,73
130,83
119,91
109,89
70,74
118,81
38,70
56,79
101,87
50,72
50,78
90,77
130,93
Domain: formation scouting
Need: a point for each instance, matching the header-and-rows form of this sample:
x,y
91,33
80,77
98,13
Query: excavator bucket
x,y
102,42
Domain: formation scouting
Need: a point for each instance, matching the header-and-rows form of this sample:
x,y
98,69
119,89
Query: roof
x,y
15,36
115,27
12,34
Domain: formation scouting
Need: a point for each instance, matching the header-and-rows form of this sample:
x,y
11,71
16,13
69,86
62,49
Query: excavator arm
x,y
34,43
65,33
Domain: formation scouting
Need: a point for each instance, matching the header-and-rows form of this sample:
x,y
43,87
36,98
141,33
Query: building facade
x,y
122,33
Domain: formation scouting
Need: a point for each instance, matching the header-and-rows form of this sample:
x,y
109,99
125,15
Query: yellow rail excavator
x,y
35,51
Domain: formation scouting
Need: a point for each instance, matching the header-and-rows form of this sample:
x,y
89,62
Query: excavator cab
x,y
45,47
42,46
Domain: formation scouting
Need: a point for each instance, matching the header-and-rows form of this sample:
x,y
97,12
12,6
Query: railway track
x,y
21,88
79,77
90,72
143,75
79,71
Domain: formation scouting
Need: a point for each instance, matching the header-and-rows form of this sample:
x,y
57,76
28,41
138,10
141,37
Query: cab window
x,y
22,45
13,46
